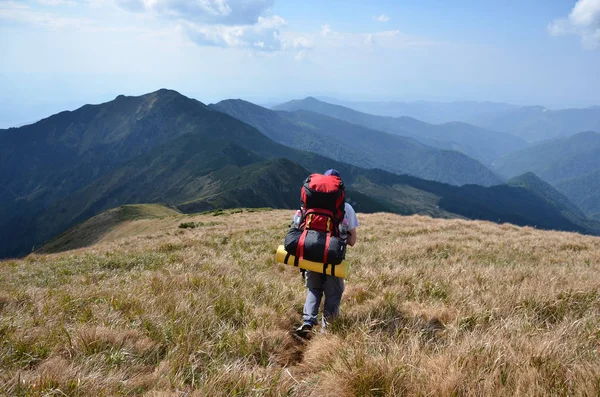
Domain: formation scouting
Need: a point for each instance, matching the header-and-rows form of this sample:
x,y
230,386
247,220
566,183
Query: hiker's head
x,y
333,172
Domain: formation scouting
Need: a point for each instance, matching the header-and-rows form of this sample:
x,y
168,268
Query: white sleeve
x,y
351,217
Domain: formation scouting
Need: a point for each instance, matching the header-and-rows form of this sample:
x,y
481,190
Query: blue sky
x,y
60,54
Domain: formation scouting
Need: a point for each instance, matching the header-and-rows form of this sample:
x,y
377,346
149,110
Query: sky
x,y
60,54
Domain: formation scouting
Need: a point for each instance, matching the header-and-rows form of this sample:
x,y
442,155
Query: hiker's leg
x,y
311,306
334,288
314,283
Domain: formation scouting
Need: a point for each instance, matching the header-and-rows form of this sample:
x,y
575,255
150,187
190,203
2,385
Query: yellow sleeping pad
x,y
340,270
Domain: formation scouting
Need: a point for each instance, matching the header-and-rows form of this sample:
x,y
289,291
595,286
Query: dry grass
x,y
432,307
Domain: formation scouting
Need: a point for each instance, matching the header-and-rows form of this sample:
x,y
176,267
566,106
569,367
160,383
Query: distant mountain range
x,y
536,123
531,123
570,164
478,143
428,111
360,146
165,148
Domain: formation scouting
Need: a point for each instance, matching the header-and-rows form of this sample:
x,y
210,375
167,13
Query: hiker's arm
x,y
351,240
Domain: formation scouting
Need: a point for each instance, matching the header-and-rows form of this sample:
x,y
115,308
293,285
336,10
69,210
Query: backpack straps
x,y
327,242
300,247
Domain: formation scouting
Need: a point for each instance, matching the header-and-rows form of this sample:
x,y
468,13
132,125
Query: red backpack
x,y
323,201
317,237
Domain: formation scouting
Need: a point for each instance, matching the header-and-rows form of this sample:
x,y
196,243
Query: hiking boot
x,y
304,329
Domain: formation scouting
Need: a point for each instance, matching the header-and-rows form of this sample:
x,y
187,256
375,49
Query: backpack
x,y
317,238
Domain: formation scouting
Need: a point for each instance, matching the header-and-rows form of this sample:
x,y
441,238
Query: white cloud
x,y
301,55
166,18
221,23
217,12
299,42
586,13
583,20
262,36
381,18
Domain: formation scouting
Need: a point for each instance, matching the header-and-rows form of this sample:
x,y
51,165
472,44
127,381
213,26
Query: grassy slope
x,y
107,225
432,307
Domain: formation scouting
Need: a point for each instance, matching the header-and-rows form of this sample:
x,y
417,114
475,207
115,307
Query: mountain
x,y
165,148
584,191
544,190
533,183
571,164
557,160
52,165
159,147
536,123
512,203
481,144
193,174
428,111
363,147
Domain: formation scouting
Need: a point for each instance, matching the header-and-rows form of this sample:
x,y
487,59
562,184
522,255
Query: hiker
x,y
319,284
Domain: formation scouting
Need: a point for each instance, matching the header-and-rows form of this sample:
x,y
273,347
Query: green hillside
x,y
191,172
360,146
94,229
518,205
584,191
553,161
570,164
476,142
531,182
568,208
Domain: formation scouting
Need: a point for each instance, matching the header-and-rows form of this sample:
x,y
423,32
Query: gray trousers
x,y
319,284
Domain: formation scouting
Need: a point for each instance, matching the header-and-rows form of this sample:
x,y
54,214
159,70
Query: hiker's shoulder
x,y
348,208
350,215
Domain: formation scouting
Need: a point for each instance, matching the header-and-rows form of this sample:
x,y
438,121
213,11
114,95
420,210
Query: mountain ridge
x,y
434,112
476,142
358,145
562,158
